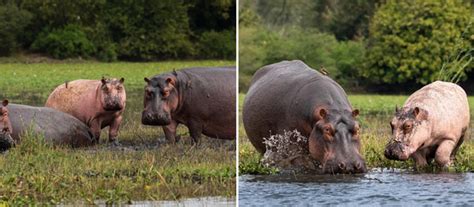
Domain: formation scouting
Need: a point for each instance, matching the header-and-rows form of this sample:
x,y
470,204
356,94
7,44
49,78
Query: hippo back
x,y
283,96
57,127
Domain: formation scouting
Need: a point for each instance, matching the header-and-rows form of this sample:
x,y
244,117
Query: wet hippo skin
x,y
290,95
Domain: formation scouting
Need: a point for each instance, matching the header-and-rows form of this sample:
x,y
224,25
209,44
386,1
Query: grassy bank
x,y
145,168
376,113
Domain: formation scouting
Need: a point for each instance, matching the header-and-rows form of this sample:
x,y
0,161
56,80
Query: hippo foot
x,y
114,143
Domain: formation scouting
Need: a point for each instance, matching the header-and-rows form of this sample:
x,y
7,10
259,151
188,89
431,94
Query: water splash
x,y
288,152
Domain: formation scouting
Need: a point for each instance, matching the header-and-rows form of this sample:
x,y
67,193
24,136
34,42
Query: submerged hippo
x,y
290,95
97,103
57,127
431,124
203,99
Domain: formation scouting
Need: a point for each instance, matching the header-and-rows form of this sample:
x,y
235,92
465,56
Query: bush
x,y
410,40
12,23
259,47
64,43
217,44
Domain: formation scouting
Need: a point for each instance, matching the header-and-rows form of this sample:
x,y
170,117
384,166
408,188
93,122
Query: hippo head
x,y
161,99
410,129
334,141
5,125
112,94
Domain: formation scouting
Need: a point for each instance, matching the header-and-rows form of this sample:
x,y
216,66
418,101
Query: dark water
x,y
379,187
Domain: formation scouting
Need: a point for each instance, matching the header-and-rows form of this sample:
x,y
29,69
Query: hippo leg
x,y
420,159
461,140
95,129
195,129
113,130
170,131
443,153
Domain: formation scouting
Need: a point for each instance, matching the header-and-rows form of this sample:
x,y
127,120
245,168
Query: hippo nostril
x,y
341,166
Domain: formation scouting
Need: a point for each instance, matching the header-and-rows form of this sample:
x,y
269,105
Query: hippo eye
x,y
148,94
119,87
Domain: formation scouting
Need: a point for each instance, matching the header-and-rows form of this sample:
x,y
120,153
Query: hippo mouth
x,y
155,120
350,168
397,151
113,107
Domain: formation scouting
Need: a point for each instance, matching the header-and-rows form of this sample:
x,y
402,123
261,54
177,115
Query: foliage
x,y
133,30
410,40
64,43
217,45
12,24
259,47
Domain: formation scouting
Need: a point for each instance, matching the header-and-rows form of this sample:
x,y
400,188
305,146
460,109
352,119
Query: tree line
x,y
109,30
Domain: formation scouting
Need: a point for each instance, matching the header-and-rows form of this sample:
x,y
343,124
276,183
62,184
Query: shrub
x,y
12,23
217,44
260,46
64,43
410,40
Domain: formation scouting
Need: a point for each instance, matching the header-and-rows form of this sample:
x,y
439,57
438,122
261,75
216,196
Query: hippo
x,y
58,128
431,125
6,141
203,99
97,103
288,96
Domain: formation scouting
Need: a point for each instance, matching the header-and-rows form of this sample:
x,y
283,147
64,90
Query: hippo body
x,y
290,95
97,103
57,127
203,99
431,125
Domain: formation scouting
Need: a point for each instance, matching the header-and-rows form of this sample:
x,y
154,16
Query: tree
x,y
410,40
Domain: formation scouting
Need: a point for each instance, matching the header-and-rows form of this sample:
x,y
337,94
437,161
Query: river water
x,y
378,187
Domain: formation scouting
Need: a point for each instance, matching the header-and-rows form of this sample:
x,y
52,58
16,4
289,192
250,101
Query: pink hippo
x,y
97,103
431,125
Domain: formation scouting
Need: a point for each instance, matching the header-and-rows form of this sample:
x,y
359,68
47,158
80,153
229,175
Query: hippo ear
x,y
170,81
122,80
174,72
355,113
146,80
396,109
103,80
5,102
420,114
320,113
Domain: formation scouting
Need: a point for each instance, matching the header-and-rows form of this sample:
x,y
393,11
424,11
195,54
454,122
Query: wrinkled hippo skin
x,y
431,125
203,99
290,95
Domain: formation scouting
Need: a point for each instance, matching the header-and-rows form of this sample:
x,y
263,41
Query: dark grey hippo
x,y
290,95
203,99
57,127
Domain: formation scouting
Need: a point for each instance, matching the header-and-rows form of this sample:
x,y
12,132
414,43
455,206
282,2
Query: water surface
x,y
378,187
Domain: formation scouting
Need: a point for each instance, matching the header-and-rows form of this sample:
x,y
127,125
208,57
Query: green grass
x,y
146,168
376,113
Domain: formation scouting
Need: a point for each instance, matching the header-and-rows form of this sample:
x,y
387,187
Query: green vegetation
x,y
124,30
145,168
376,112
410,40
365,45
